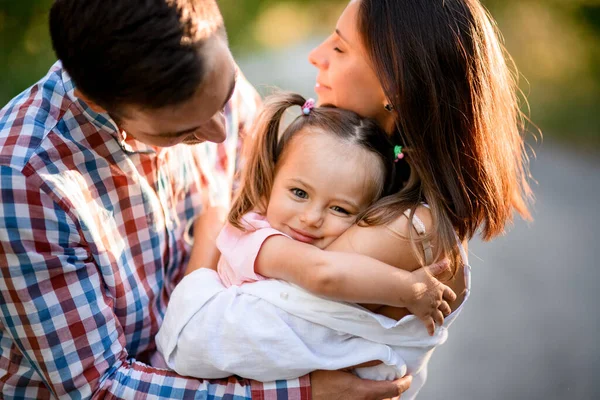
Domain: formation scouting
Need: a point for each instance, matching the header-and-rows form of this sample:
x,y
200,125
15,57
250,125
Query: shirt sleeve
x,y
59,334
238,253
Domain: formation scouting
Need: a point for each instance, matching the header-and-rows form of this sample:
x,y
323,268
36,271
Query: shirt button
x,y
284,295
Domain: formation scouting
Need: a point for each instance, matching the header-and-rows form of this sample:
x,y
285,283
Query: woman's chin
x,y
322,100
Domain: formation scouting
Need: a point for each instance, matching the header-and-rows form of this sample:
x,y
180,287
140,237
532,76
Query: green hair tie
x,y
398,155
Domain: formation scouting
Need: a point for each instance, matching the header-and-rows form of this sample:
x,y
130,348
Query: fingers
x,y
444,307
382,389
449,294
430,325
403,383
438,317
439,268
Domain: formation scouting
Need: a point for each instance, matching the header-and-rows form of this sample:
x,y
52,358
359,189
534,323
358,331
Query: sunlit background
x,y
530,329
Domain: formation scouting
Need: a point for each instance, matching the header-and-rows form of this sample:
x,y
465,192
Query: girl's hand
x,y
429,298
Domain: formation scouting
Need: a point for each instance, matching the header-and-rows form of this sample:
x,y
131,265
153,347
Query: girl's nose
x,y
312,217
317,57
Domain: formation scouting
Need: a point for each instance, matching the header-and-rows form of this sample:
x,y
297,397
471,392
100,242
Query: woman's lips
x,y
320,87
302,236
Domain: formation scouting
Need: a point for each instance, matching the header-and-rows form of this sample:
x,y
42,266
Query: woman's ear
x,y
91,103
389,116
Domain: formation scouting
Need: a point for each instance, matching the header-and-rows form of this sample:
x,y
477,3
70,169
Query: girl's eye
x,y
340,210
337,50
299,193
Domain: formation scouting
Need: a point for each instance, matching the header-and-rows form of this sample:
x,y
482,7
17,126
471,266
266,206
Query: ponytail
x,y
261,154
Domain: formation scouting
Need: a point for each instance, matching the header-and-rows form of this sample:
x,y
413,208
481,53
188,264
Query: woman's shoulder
x,y
390,242
409,223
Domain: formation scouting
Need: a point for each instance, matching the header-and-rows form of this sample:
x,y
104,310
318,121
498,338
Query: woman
x,y
434,75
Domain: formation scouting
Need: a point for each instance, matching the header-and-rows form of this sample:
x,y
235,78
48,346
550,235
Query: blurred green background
x,y
555,43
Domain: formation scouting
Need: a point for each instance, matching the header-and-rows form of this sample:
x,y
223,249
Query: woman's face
x,y
346,77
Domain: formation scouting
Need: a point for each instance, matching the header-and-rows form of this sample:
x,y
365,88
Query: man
x,y
98,190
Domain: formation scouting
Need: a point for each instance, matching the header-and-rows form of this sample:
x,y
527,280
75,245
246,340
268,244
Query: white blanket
x,y
271,330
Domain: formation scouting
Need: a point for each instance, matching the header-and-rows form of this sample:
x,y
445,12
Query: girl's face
x,y
346,77
320,186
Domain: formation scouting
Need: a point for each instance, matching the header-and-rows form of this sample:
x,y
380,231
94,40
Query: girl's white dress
x,y
271,330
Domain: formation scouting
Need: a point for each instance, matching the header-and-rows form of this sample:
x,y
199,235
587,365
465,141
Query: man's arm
x,y
60,334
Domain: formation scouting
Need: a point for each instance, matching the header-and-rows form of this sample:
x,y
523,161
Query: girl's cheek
x,y
339,228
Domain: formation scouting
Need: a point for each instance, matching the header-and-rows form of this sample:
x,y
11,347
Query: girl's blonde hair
x,y
445,72
267,148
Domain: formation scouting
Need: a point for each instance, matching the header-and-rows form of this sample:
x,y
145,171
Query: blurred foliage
x,y
555,44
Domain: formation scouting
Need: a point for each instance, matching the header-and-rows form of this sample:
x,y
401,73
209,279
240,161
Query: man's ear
x,y
91,103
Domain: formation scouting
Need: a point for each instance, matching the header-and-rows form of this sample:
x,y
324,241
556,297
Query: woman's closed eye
x,y
301,194
337,50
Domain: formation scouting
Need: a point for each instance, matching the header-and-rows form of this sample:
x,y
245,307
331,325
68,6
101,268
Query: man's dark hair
x,y
146,53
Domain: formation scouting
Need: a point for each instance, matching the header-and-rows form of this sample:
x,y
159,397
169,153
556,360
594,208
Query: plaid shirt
x,y
91,247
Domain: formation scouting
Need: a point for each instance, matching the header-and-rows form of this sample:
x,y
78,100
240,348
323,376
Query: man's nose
x,y
215,129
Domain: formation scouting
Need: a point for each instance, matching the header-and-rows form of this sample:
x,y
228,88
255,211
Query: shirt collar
x,y
103,121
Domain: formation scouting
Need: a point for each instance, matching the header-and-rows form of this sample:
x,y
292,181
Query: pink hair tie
x,y
308,105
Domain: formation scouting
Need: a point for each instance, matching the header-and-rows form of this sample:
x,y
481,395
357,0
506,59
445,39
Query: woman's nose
x,y
317,57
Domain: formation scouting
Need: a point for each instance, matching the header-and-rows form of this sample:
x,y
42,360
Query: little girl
x,y
300,192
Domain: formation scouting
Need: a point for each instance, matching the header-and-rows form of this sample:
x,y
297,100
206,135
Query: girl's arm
x,y
355,278
388,244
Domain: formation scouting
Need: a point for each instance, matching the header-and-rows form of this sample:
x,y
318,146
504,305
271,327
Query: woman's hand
x,y
428,298
338,385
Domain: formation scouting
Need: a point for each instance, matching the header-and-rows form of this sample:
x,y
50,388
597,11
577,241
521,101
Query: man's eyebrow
x,y
231,89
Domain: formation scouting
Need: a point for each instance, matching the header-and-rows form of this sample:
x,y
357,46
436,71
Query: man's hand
x,y
338,385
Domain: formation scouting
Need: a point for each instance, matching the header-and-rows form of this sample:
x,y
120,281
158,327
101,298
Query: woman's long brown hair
x,y
446,74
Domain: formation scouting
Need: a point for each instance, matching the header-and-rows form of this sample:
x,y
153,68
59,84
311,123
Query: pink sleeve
x,y
238,253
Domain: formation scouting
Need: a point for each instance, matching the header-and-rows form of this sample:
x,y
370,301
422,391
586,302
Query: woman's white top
x,y
271,330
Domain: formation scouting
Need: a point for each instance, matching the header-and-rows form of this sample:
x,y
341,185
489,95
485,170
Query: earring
x,y
388,107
